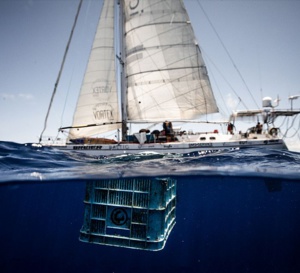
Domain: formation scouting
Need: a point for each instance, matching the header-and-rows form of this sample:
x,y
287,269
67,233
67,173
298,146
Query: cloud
x,y
25,96
7,96
19,96
231,102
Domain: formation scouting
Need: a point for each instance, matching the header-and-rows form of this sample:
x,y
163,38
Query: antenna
x,y
276,102
291,98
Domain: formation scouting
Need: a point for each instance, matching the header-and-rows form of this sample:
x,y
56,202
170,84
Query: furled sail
x,y
165,73
98,99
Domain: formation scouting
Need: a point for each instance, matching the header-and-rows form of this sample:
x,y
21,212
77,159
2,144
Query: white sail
x,y
166,75
98,99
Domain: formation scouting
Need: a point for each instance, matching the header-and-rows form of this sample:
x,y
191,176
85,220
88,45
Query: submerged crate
x,y
134,213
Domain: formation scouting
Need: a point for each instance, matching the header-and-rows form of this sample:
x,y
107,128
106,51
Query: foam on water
x,y
19,162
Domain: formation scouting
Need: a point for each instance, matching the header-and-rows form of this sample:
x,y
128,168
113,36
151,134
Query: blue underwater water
x,y
236,211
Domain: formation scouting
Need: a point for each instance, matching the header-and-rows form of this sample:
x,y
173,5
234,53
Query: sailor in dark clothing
x,y
230,128
258,128
168,128
167,125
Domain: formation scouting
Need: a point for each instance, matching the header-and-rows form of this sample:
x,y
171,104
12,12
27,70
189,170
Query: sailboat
x,y
147,68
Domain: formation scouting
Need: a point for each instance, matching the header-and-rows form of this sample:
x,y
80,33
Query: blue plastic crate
x,y
134,213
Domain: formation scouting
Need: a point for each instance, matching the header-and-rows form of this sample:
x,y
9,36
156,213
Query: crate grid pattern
x,y
135,213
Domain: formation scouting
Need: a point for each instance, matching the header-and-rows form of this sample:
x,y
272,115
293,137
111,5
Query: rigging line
x,y
283,122
297,129
296,132
221,74
293,121
223,45
287,126
60,71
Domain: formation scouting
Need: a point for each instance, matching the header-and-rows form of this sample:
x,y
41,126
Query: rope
x,y
60,71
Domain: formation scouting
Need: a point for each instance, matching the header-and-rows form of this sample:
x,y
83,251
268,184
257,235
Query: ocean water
x,y
236,211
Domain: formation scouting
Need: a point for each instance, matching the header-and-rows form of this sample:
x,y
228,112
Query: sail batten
x,y
160,23
161,70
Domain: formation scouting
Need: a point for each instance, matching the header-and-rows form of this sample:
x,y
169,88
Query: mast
x,y
121,58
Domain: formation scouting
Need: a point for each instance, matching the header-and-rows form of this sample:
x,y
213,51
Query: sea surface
x,y
236,211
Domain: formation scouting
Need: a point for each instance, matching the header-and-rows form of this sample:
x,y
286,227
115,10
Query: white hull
x,y
220,142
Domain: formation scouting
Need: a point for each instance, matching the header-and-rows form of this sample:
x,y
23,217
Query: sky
x,y
262,38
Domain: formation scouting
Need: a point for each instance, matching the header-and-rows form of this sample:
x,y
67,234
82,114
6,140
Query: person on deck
x,y
258,128
167,125
230,128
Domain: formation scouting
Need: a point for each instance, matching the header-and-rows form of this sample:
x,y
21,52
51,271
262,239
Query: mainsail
x,y
98,99
166,75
